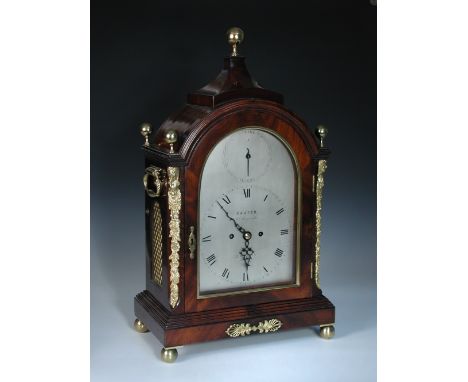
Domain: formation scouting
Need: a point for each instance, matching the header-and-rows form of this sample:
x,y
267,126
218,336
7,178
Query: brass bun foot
x,y
169,355
327,331
140,326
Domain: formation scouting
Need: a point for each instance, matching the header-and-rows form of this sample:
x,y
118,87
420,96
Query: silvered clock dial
x,y
248,207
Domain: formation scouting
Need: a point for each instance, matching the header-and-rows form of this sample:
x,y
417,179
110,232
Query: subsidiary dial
x,y
247,155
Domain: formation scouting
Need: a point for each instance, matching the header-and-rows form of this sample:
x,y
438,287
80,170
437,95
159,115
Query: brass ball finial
x,y
145,130
327,331
140,326
322,132
171,138
169,355
235,37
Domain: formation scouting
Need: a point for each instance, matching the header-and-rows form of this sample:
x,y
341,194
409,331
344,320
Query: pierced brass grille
x,y
156,243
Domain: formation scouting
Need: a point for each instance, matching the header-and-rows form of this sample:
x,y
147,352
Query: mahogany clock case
x,y
232,101
144,60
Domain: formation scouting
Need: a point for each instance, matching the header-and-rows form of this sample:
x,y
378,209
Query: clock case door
x,y
273,117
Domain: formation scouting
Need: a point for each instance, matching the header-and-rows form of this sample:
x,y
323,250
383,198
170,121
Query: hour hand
x,y
247,254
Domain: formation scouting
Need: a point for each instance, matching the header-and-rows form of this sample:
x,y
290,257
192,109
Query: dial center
x,y
247,236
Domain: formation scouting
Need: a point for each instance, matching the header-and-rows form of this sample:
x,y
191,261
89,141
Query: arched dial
x,y
247,234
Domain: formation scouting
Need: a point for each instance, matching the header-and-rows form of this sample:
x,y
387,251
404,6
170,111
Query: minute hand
x,y
239,228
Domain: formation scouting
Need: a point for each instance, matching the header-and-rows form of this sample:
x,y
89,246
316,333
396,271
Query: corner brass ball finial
x,y
145,130
169,355
235,37
171,138
322,132
140,326
327,331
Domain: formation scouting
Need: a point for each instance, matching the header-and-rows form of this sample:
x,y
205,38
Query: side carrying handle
x,y
157,177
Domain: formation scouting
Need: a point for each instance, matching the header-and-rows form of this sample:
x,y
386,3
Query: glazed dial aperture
x,y
247,234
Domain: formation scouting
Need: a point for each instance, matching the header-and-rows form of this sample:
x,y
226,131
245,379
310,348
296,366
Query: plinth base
x,y
182,329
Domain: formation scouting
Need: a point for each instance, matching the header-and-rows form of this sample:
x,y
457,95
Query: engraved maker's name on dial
x,y
247,212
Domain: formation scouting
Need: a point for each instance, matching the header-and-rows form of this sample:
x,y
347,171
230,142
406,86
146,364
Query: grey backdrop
x,y
145,57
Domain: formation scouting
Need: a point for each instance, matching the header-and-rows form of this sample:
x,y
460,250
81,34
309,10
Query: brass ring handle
x,y
155,173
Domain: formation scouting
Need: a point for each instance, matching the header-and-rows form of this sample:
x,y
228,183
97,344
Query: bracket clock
x,y
233,196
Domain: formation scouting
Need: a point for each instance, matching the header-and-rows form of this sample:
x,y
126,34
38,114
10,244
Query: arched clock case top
x,y
171,307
